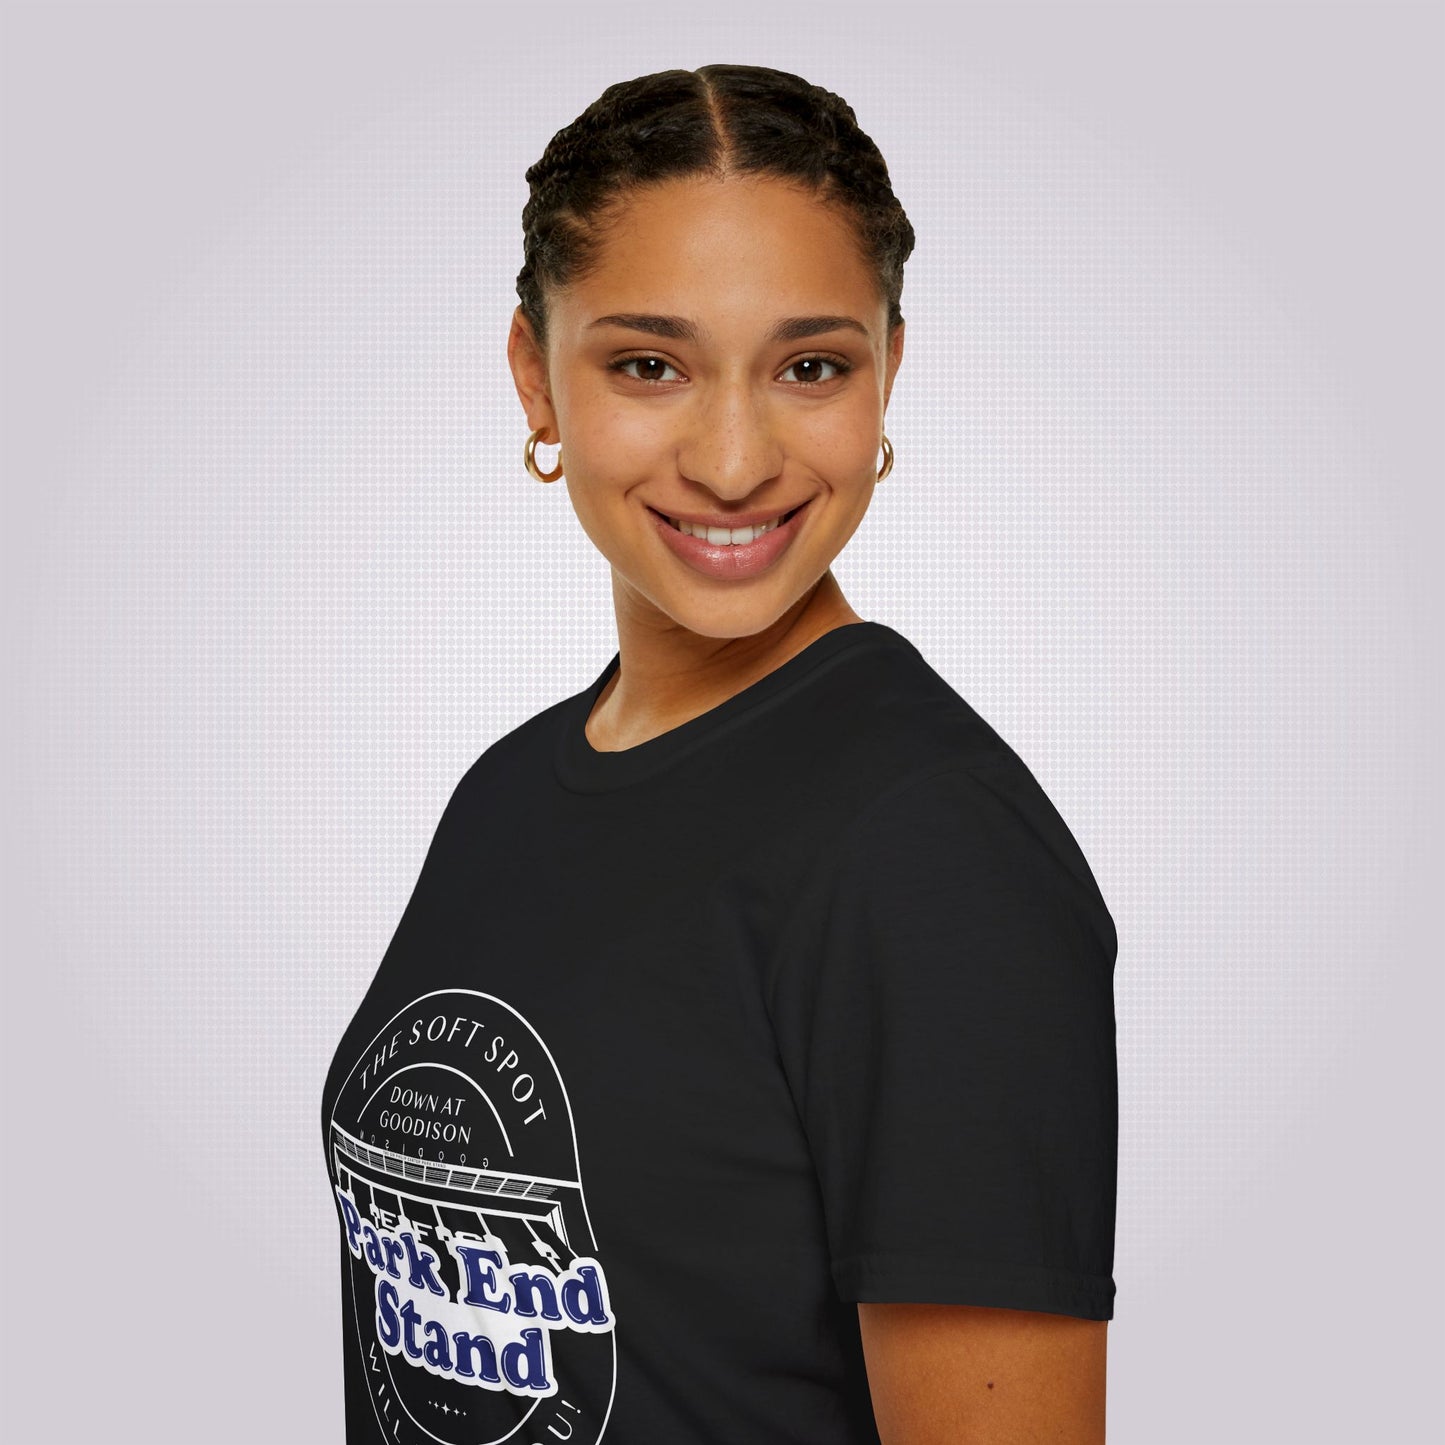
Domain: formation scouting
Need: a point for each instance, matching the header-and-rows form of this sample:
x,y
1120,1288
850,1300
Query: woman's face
x,y
727,360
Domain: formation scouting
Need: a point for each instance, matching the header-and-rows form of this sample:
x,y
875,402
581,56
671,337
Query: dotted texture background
x,y
1165,510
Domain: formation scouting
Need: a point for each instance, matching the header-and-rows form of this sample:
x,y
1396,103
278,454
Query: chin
x,y
723,612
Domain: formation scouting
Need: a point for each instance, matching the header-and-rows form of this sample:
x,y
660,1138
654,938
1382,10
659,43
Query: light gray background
x,y
1166,511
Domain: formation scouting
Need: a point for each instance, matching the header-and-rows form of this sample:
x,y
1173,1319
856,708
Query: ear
x,y
529,373
895,356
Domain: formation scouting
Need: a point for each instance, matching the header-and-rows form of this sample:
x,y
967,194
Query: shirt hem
x,y
910,1279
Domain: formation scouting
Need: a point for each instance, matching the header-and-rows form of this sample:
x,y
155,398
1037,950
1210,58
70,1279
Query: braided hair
x,y
719,120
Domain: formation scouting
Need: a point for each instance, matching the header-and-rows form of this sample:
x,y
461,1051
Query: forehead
x,y
714,249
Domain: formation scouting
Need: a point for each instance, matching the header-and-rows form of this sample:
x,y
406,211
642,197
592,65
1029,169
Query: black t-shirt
x,y
678,1052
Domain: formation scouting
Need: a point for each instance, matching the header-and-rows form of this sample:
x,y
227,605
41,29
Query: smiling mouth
x,y
725,536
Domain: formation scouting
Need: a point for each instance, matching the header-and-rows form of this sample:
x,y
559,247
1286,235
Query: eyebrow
x,y
679,328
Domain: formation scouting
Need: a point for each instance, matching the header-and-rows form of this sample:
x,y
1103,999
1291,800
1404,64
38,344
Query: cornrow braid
x,y
719,120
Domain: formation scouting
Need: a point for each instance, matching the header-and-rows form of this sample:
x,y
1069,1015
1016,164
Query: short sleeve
x,y
944,1014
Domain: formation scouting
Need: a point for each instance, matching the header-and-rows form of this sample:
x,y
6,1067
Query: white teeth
x,y
724,536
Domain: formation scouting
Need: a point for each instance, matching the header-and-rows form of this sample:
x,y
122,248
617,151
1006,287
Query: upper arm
x,y
948,1031
955,1374
946,1025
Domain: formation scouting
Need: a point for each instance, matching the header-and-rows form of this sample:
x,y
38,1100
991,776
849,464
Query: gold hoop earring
x,y
529,458
887,457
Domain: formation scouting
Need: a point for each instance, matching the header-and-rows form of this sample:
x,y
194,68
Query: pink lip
x,y
729,562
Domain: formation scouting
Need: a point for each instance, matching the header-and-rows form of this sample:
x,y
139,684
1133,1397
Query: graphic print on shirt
x,y
475,1290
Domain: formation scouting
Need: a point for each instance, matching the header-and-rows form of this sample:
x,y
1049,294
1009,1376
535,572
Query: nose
x,y
730,443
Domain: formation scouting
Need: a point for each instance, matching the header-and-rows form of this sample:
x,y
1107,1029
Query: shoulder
x,y
914,763
886,719
935,815
979,839
991,810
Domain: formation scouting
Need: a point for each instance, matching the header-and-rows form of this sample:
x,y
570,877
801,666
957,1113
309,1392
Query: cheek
x,y
846,463
842,434
612,444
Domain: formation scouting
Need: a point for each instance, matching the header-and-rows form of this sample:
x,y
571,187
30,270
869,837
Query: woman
x,y
742,1068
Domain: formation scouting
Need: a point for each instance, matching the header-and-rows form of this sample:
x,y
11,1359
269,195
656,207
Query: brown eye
x,y
810,369
652,366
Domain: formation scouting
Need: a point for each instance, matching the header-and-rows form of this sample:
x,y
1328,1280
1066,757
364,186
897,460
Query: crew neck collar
x,y
583,769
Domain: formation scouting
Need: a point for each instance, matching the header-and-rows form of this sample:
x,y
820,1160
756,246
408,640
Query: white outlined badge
x,y
475,1288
